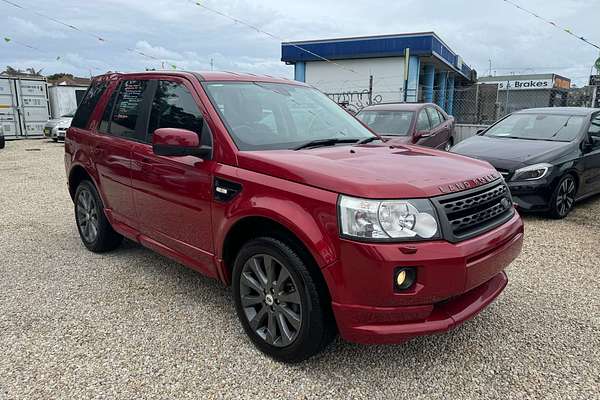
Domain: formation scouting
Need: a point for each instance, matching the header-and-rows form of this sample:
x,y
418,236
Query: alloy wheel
x,y
565,197
270,300
87,215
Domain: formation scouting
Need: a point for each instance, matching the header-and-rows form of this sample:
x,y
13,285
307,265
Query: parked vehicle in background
x,y
550,157
424,124
56,128
268,185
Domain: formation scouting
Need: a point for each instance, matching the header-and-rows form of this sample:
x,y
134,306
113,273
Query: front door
x,y
591,159
423,130
173,194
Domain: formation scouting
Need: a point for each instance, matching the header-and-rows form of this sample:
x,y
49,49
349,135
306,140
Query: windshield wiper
x,y
369,140
324,142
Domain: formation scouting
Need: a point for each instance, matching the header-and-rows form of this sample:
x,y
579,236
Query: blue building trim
x,y
450,94
441,78
300,71
428,82
420,44
412,89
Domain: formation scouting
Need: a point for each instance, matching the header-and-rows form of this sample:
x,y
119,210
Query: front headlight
x,y
387,220
532,172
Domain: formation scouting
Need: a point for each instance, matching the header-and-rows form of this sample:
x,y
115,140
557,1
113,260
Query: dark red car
x,y
269,186
411,123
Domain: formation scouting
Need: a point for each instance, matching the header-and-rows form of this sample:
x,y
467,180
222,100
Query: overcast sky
x,y
188,36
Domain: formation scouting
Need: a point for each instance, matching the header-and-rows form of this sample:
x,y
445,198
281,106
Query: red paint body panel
x,y
408,173
168,204
175,137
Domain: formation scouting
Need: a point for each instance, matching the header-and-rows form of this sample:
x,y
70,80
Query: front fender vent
x,y
224,190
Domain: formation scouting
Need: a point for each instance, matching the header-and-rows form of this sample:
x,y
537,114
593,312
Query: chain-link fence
x,y
483,104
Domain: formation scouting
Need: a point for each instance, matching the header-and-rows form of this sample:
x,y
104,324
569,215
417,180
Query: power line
x,y
567,30
76,28
257,29
10,40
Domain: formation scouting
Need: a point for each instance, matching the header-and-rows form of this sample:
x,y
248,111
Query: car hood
x,y
371,171
511,153
66,121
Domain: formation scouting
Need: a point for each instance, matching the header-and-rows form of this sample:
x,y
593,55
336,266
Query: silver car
x,y
56,128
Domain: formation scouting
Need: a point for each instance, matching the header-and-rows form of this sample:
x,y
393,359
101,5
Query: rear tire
x,y
94,229
278,301
2,142
563,198
55,140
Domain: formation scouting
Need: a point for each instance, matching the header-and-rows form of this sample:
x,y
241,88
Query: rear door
x,y
122,125
173,195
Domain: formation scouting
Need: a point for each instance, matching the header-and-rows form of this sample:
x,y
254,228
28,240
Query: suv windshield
x,y
560,128
395,123
269,116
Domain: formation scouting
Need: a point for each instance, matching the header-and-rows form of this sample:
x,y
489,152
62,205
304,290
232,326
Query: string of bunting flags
x,y
259,30
554,24
78,29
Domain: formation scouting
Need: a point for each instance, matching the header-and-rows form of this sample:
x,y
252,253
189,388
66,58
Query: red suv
x,y
266,184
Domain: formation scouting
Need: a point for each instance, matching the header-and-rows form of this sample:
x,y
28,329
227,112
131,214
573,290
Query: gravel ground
x,y
132,324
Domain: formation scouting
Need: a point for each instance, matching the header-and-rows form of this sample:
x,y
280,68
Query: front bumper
x,y
531,195
454,283
55,132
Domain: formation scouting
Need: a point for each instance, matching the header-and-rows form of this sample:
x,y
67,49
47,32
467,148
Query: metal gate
x,y
23,106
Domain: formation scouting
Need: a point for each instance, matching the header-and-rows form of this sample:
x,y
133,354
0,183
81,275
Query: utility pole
x,y
370,89
212,64
490,71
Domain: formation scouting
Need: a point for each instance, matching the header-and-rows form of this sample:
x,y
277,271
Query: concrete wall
x,y
63,99
464,131
388,76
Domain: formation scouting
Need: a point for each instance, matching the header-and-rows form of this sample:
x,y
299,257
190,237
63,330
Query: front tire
x,y
449,144
94,229
563,198
278,302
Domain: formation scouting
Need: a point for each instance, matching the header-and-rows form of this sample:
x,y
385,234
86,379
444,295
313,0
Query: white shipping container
x,y
65,98
23,106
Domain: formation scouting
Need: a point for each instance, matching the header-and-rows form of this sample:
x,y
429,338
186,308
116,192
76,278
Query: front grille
x,y
471,212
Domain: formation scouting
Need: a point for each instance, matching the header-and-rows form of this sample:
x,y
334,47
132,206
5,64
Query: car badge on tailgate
x,y
472,183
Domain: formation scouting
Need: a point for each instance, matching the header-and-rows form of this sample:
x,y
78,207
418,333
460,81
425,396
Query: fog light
x,y
404,277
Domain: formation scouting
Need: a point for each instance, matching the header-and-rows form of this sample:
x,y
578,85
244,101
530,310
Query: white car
x,y
56,128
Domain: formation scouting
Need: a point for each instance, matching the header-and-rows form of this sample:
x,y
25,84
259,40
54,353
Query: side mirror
x,y
593,144
422,134
178,142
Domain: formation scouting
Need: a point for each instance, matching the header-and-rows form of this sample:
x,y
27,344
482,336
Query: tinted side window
x,y
105,123
423,122
129,105
442,117
85,109
174,107
433,116
595,126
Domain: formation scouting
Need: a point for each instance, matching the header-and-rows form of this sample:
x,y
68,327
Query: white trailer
x,y
23,106
65,98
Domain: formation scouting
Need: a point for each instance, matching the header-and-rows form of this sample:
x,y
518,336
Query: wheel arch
x,y
77,174
252,226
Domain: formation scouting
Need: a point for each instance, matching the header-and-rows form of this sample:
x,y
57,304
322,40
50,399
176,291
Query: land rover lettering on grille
x,y
457,187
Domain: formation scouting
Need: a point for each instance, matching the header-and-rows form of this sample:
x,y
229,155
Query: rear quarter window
x,y
86,108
